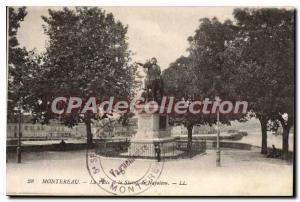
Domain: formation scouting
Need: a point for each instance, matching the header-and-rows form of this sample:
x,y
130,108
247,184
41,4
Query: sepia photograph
x,y
150,101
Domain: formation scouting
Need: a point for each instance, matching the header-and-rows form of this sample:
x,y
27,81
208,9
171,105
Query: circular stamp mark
x,y
123,176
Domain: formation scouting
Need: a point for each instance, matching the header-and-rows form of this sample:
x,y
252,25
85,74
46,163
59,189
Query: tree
x,y
87,55
202,74
262,62
177,83
18,64
206,50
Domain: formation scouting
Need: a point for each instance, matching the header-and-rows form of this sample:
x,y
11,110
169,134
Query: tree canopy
x,y
21,66
250,59
262,61
87,55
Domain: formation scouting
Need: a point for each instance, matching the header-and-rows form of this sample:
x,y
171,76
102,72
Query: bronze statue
x,y
153,81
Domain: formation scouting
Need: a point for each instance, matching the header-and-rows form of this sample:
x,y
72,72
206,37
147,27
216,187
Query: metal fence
x,y
111,147
125,148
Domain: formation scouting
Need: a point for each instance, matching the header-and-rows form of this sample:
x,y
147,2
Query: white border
x,y
152,3
3,86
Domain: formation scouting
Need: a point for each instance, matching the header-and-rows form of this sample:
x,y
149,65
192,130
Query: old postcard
x,y
150,101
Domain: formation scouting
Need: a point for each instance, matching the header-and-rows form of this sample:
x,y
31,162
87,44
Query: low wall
x,y
232,145
50,147
213,137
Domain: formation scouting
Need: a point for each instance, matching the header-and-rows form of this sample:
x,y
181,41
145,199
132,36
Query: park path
x,y
242,173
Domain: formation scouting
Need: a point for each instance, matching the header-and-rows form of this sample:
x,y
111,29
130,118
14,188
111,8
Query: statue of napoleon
x,y
153,81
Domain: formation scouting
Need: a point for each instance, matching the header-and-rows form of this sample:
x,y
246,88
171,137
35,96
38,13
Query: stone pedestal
x,y
152,129
152,126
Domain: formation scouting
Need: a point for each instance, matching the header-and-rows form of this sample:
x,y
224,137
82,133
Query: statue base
x,y
153,129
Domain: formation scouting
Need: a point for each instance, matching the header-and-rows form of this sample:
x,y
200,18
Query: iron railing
x,y
125,148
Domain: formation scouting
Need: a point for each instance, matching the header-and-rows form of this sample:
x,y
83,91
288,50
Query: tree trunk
x,y
89,135
285,141
286,126
264,136
190,139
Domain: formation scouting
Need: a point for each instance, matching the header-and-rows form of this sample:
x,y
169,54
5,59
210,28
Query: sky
x,y
159,32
